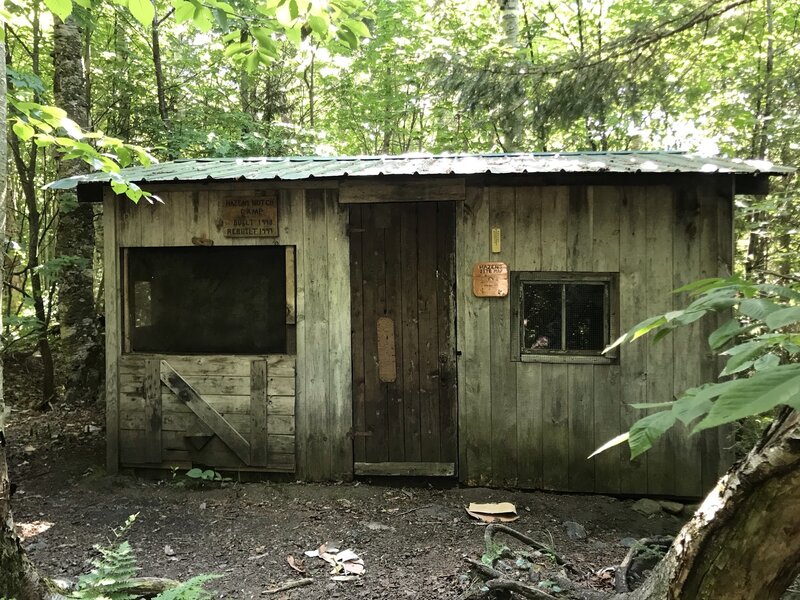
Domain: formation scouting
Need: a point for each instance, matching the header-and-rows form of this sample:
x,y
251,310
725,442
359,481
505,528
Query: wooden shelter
x,y
433,316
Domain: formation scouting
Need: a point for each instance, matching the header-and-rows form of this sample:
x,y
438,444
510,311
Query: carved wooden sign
x,y
490,279
255,216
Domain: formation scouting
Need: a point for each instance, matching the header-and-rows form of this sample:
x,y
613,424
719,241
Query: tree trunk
x,y
744,542
26,172
18,577
75,233
161,92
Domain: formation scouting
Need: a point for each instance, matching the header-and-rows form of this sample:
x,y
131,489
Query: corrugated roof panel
x,y
314,167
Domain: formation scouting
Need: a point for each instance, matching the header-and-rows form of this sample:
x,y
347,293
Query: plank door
x,y
403,338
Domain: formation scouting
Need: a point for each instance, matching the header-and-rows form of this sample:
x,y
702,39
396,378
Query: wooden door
x,y
403,338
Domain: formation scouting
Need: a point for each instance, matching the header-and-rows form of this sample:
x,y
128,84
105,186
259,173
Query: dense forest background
x,y
717,77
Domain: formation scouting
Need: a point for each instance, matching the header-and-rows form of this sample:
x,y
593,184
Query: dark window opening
x,y
207,300
561,314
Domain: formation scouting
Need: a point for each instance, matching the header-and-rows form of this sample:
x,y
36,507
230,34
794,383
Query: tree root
x,y
496,585
492,531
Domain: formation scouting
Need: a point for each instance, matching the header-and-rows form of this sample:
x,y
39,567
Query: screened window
x,y
566,315
207,300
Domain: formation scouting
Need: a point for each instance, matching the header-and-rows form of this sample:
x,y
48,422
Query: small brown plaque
x,y
252,216
490,279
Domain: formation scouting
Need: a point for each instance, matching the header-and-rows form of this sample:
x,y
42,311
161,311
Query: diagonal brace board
x,y
205,412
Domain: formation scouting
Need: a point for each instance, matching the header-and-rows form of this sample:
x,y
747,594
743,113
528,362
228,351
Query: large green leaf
x,y
758,308
783,317
726,332
743,356
143,11
762,391
61,8
647,430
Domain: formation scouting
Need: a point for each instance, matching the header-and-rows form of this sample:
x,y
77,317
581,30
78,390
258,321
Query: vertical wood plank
x,y
555,207
152,411
445,322
555,391
530,432
580,228
555,416
258,412
660,356
633,309
528,257
168,220
291,301
395,409
374,220
528,229
607,401
688,343
581,427
317,403
340,393
128,223
716,260
726,235
503,371
475,410
357,332
113,293
605,229
291,207
428,342
410,334
151,215
606,427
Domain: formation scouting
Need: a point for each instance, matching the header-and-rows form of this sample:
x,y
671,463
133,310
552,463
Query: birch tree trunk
x,y
744,542
75,234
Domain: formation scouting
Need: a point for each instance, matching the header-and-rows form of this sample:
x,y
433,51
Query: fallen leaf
x,y
297,565
169,551
346,555
354,568
493,512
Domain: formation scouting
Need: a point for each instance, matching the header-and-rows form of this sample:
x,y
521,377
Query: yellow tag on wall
x,y
496,246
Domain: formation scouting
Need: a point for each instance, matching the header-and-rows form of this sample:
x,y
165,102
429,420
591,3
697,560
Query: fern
x,y
191,589
110,576
110,579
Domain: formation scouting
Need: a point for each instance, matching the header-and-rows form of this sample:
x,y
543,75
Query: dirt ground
x,y
412,536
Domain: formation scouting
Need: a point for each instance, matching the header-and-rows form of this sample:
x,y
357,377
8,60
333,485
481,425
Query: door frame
x,y
394,467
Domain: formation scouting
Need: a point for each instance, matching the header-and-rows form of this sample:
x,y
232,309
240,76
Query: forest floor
x,y
412,538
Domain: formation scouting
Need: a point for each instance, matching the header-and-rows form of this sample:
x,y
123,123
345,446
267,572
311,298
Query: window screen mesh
x,y
568,316
585,316
541,316
207,300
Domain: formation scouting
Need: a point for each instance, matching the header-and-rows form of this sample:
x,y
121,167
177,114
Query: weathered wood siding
x,y
308,421
533,424
154,423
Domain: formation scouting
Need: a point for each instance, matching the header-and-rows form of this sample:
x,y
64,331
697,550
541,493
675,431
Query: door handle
x,y
444,370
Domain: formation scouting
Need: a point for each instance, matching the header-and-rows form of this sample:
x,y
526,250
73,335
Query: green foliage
x,y
191,589
764,367
112,571
203,475
110,579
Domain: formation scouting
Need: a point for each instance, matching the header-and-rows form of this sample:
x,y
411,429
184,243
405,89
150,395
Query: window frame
x,y
610,281
126,304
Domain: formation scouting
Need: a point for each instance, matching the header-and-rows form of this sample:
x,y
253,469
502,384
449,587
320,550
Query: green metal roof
x,y
317,167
